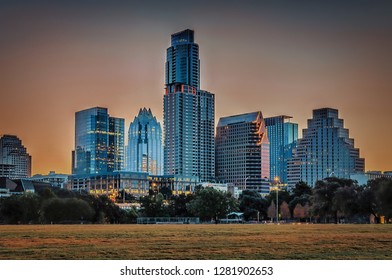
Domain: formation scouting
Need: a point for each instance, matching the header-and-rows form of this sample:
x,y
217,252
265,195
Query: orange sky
x,y
280,59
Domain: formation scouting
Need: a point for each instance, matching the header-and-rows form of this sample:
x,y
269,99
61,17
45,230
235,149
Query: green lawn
x,y
196,241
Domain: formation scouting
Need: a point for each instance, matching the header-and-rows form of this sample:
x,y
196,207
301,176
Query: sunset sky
x,y
280,57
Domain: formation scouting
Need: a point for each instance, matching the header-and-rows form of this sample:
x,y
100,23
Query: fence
x,y
168,220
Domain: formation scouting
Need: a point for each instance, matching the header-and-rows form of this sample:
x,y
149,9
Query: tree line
x,y
50,206
331,200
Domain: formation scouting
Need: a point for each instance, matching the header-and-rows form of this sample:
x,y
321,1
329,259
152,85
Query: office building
x,y
15,162
99,142
54,179
189,113
324,151
282,136
242,151
145,149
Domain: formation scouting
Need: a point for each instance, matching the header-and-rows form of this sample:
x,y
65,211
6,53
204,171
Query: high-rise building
x,y
242,151
15,162
182,63
99,142
325,150
189,113
282,136
145,150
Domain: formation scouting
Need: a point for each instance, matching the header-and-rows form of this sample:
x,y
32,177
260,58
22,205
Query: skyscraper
x,y
282,135
145,150
182,63
15,162
99,142
324,151
189,113
242,150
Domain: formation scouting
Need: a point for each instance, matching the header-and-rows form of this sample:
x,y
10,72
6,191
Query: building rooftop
x,y
243,118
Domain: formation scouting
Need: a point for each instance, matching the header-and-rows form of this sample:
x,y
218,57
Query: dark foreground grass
x,y
258,241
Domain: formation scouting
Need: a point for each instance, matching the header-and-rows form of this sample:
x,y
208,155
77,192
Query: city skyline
x,y
60,59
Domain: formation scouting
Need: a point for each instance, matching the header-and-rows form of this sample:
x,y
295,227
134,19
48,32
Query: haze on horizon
x,y
279,57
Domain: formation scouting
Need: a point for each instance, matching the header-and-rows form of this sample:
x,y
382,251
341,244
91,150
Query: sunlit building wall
x,y
145,149
324,151
242,151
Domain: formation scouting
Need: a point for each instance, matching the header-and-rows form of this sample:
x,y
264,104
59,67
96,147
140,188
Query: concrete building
x,y
242,151
324,151
53,178
363,178
15,161
189,113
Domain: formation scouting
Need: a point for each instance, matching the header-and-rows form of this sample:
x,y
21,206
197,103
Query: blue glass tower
x,y
189,113
183,64
145,150
99,142
324,151
282,135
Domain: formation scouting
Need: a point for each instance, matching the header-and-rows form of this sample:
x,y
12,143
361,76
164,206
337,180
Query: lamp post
x,y
246,180
276,181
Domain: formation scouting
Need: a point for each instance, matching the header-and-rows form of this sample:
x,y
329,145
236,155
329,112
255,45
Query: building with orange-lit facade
x,y
242,151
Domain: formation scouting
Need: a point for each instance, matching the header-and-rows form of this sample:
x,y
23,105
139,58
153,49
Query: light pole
x,y
276,181
246,180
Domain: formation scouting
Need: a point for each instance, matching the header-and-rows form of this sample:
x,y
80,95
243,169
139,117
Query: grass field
x,y
196,241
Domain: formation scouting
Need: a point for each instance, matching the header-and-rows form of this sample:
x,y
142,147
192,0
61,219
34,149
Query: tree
x,y
285,211
300,189
153,206
376,198
178,205
211,204
299,211
345,201
301,193
57,210
252,203
22,209
323,198
271,212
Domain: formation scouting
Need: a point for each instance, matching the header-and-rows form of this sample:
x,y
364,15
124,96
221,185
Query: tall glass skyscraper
x,y
182,63
324,151
99,142
145,150
189,113
282,135
15,162
242,150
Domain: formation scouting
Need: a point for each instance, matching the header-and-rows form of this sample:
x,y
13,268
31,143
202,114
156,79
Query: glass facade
x,y
242,151
15,162
183,64
324,151
99,142
145,150
282,136
189,113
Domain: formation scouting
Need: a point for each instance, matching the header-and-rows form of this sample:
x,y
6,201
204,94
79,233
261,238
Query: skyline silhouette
x,y
278,58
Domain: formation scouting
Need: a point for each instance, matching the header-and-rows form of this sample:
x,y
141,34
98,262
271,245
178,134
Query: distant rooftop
x,y
243,118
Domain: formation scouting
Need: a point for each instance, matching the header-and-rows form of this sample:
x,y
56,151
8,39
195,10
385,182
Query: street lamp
x,y
276,182
246,180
